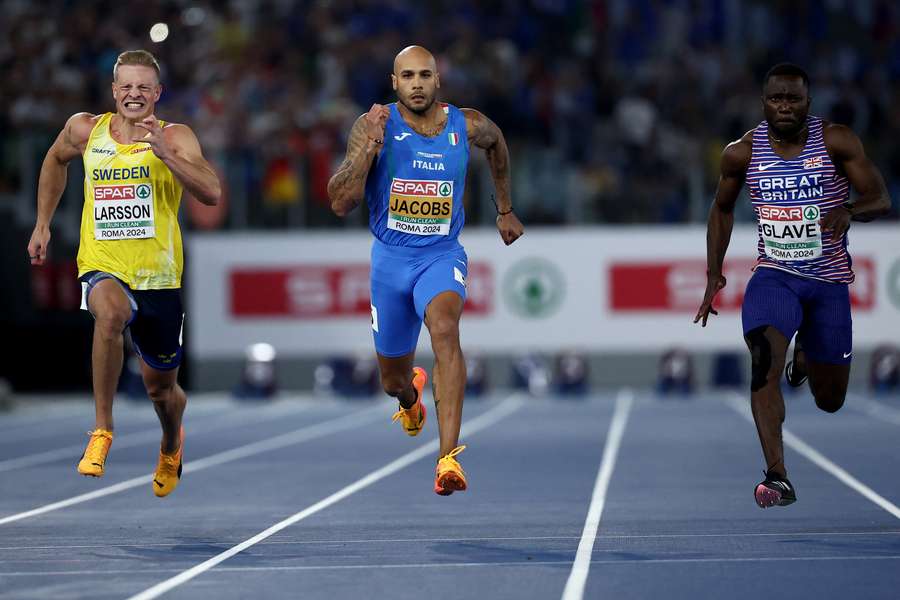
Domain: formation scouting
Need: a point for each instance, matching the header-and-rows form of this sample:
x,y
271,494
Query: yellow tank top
x,y
129,225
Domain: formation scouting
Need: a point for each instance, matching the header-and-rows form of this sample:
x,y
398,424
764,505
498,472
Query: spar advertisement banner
x,y
602,289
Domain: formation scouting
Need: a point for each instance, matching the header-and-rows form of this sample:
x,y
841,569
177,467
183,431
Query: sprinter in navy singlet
x,y
408,159
798,169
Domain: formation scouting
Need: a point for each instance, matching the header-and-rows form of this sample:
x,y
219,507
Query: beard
x,y
419,111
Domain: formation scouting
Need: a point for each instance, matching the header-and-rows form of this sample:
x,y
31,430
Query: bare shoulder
x,y
182,138
79,126
840,140
736,155
473,117
480,130
178,130
836,131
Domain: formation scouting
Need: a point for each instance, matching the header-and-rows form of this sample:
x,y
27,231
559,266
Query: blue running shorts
x,y
817,311
404,281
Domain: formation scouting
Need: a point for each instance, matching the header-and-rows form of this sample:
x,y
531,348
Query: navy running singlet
x,y
789,197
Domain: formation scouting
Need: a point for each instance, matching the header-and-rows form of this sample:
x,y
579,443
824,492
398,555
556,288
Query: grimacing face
x,y
785,104
136,90
415,79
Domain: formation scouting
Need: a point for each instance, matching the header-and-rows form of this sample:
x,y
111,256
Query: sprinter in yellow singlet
x,y
130,256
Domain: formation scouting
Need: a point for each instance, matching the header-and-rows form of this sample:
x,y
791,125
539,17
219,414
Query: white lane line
x,y
304,434
456,540
739,404
458,565
504,409
874,409
574,589
137,438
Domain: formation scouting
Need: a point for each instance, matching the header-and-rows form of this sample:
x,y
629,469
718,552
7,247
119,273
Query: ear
x,y
113,88
158,93
394,82
437,80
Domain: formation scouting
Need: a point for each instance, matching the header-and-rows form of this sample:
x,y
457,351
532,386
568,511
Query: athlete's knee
x,y
393,384
765,366
829,399
830,403
159,390
110,324
444,329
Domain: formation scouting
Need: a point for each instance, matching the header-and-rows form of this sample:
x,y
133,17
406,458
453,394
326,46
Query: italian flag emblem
x,y
454,138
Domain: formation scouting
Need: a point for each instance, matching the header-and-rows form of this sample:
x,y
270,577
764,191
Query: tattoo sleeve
x,y
485,134
347,186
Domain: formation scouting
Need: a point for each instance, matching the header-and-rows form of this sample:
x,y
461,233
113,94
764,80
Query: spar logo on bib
x,y
420,207
123,211
791,232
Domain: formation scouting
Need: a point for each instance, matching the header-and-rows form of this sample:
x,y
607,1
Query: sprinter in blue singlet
x,y
408,159
798,170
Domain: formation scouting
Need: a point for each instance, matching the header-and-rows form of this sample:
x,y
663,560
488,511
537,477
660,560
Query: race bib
x,y
420,207
123,211
791,233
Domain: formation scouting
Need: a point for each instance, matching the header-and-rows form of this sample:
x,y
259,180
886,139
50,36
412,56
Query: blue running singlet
x,y
414,193
415,189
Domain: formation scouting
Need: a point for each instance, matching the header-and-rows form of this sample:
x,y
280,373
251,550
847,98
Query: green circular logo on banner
x,y
534,288
444,190
811,213
143,191
893,283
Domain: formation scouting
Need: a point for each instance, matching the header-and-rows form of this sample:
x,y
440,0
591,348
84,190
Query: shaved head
x,y
414,56
415,79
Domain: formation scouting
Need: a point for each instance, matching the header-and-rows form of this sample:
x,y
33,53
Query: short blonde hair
x,y
136,57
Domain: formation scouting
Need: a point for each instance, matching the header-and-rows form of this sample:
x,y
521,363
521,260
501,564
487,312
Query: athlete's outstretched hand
x,y
510,227
837,221
713,285
376,119
37,247
154,137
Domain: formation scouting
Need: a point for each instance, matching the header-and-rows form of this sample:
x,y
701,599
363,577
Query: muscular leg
x,y
112,310
169,401
396,378
767,351
442,319
828,384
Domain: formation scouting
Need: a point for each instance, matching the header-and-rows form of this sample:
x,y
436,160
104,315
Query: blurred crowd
x,y
616,111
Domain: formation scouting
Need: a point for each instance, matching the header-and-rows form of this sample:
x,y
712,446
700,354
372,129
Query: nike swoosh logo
x,y
462,262
764,167
402,136
847,354
157,483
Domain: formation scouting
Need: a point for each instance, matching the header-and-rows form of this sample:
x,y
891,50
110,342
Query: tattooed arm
x,y
483,133
348,185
